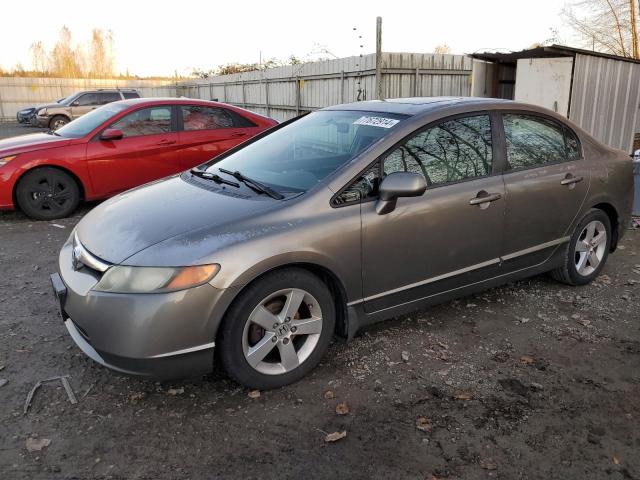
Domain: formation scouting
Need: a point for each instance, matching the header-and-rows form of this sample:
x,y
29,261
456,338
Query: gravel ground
x,y
533,380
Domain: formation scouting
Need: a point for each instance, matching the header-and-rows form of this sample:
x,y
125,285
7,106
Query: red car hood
x,y
28,143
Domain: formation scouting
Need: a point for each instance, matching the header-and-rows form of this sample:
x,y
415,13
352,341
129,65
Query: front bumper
x,y
161,335
24,117
40,121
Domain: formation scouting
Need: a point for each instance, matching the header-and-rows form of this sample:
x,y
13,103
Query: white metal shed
x,y
599,92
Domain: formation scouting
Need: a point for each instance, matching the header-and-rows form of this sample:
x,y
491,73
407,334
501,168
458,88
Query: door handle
x,y
236,135
570,180
166,142
484,198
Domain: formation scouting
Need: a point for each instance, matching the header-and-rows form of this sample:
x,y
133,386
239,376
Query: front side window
x,y
147,121
362,188
451,151
87,99
300,155
533,141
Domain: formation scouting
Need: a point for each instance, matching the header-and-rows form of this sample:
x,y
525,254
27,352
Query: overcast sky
x,y
157,38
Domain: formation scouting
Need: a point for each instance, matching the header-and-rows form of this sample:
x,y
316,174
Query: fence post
x,y
224,92
1,108
244,101
341,86
210,91
266,95
297,95
416,88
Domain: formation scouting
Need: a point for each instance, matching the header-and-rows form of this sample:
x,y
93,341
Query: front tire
x,y
57,122
587,251
47,194
277,330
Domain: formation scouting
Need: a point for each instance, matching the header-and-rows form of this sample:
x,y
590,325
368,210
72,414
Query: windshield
x,y
303,153
68,100
92,120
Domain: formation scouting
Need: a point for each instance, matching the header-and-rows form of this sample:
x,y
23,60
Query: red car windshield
x,y
89,122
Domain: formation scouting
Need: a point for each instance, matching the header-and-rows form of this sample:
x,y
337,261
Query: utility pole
x,y
634,30
379,58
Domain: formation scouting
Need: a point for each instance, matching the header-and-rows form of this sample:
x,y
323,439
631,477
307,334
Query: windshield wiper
x,y
52,132
213,176
253,184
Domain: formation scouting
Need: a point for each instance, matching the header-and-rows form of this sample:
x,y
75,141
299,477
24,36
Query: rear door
x,y
206,132
450,236
546,181
148,151
108,97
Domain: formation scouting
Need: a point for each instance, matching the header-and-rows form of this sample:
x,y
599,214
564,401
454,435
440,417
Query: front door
x,y
546,182
147,151
84,104
450,236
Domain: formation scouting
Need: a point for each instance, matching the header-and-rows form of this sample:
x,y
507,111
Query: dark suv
x,y
55,115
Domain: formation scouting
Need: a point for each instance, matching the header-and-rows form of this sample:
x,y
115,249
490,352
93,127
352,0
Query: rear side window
x,y
147,121
533,141
196,117
451,151
128,95
574,152
108,97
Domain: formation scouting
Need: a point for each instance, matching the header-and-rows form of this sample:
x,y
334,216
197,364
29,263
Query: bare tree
x,y
101,58
39,59
66,61
605,25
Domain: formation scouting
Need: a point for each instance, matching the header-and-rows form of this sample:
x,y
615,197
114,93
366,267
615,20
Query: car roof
x,y
417,105
172,101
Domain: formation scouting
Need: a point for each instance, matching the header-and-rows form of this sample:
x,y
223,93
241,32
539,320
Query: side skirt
x,y
359,319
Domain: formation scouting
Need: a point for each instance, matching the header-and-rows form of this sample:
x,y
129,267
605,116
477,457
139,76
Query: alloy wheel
x,y
282,331
590,248
49,193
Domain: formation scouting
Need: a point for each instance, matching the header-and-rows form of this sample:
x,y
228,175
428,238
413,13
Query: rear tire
x,y
57,122
277,330
587,250
47,193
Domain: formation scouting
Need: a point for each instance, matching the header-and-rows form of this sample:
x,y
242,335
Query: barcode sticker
x,y
381,122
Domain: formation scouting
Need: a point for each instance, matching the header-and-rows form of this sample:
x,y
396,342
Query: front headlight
x,y
124,279
41,111
5,160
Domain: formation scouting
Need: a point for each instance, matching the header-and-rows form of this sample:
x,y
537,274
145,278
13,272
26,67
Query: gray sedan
x,y
331,222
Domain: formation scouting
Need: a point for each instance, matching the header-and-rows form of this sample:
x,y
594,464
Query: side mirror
x,y
76,103
112,134
399,184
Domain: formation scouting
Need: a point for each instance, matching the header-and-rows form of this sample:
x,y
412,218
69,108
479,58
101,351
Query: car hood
x,y
49,105
147,215
27,143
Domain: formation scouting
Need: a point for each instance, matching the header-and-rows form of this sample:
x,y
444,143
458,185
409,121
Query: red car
x,y
114,148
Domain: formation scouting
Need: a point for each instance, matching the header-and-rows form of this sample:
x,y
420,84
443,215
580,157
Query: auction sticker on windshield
x,y
381,122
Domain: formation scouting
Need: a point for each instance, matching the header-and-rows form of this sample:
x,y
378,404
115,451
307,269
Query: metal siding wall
x,y
322,84
17,92
605,98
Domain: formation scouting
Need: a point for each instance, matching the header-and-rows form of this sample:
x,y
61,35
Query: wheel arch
x,y
613,215
59,115
327,276
72,174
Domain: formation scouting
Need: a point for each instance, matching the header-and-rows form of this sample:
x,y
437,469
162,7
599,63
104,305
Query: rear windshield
x,y
89,122
302,154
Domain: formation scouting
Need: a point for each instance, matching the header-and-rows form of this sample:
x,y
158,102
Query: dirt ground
x,y
533,380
